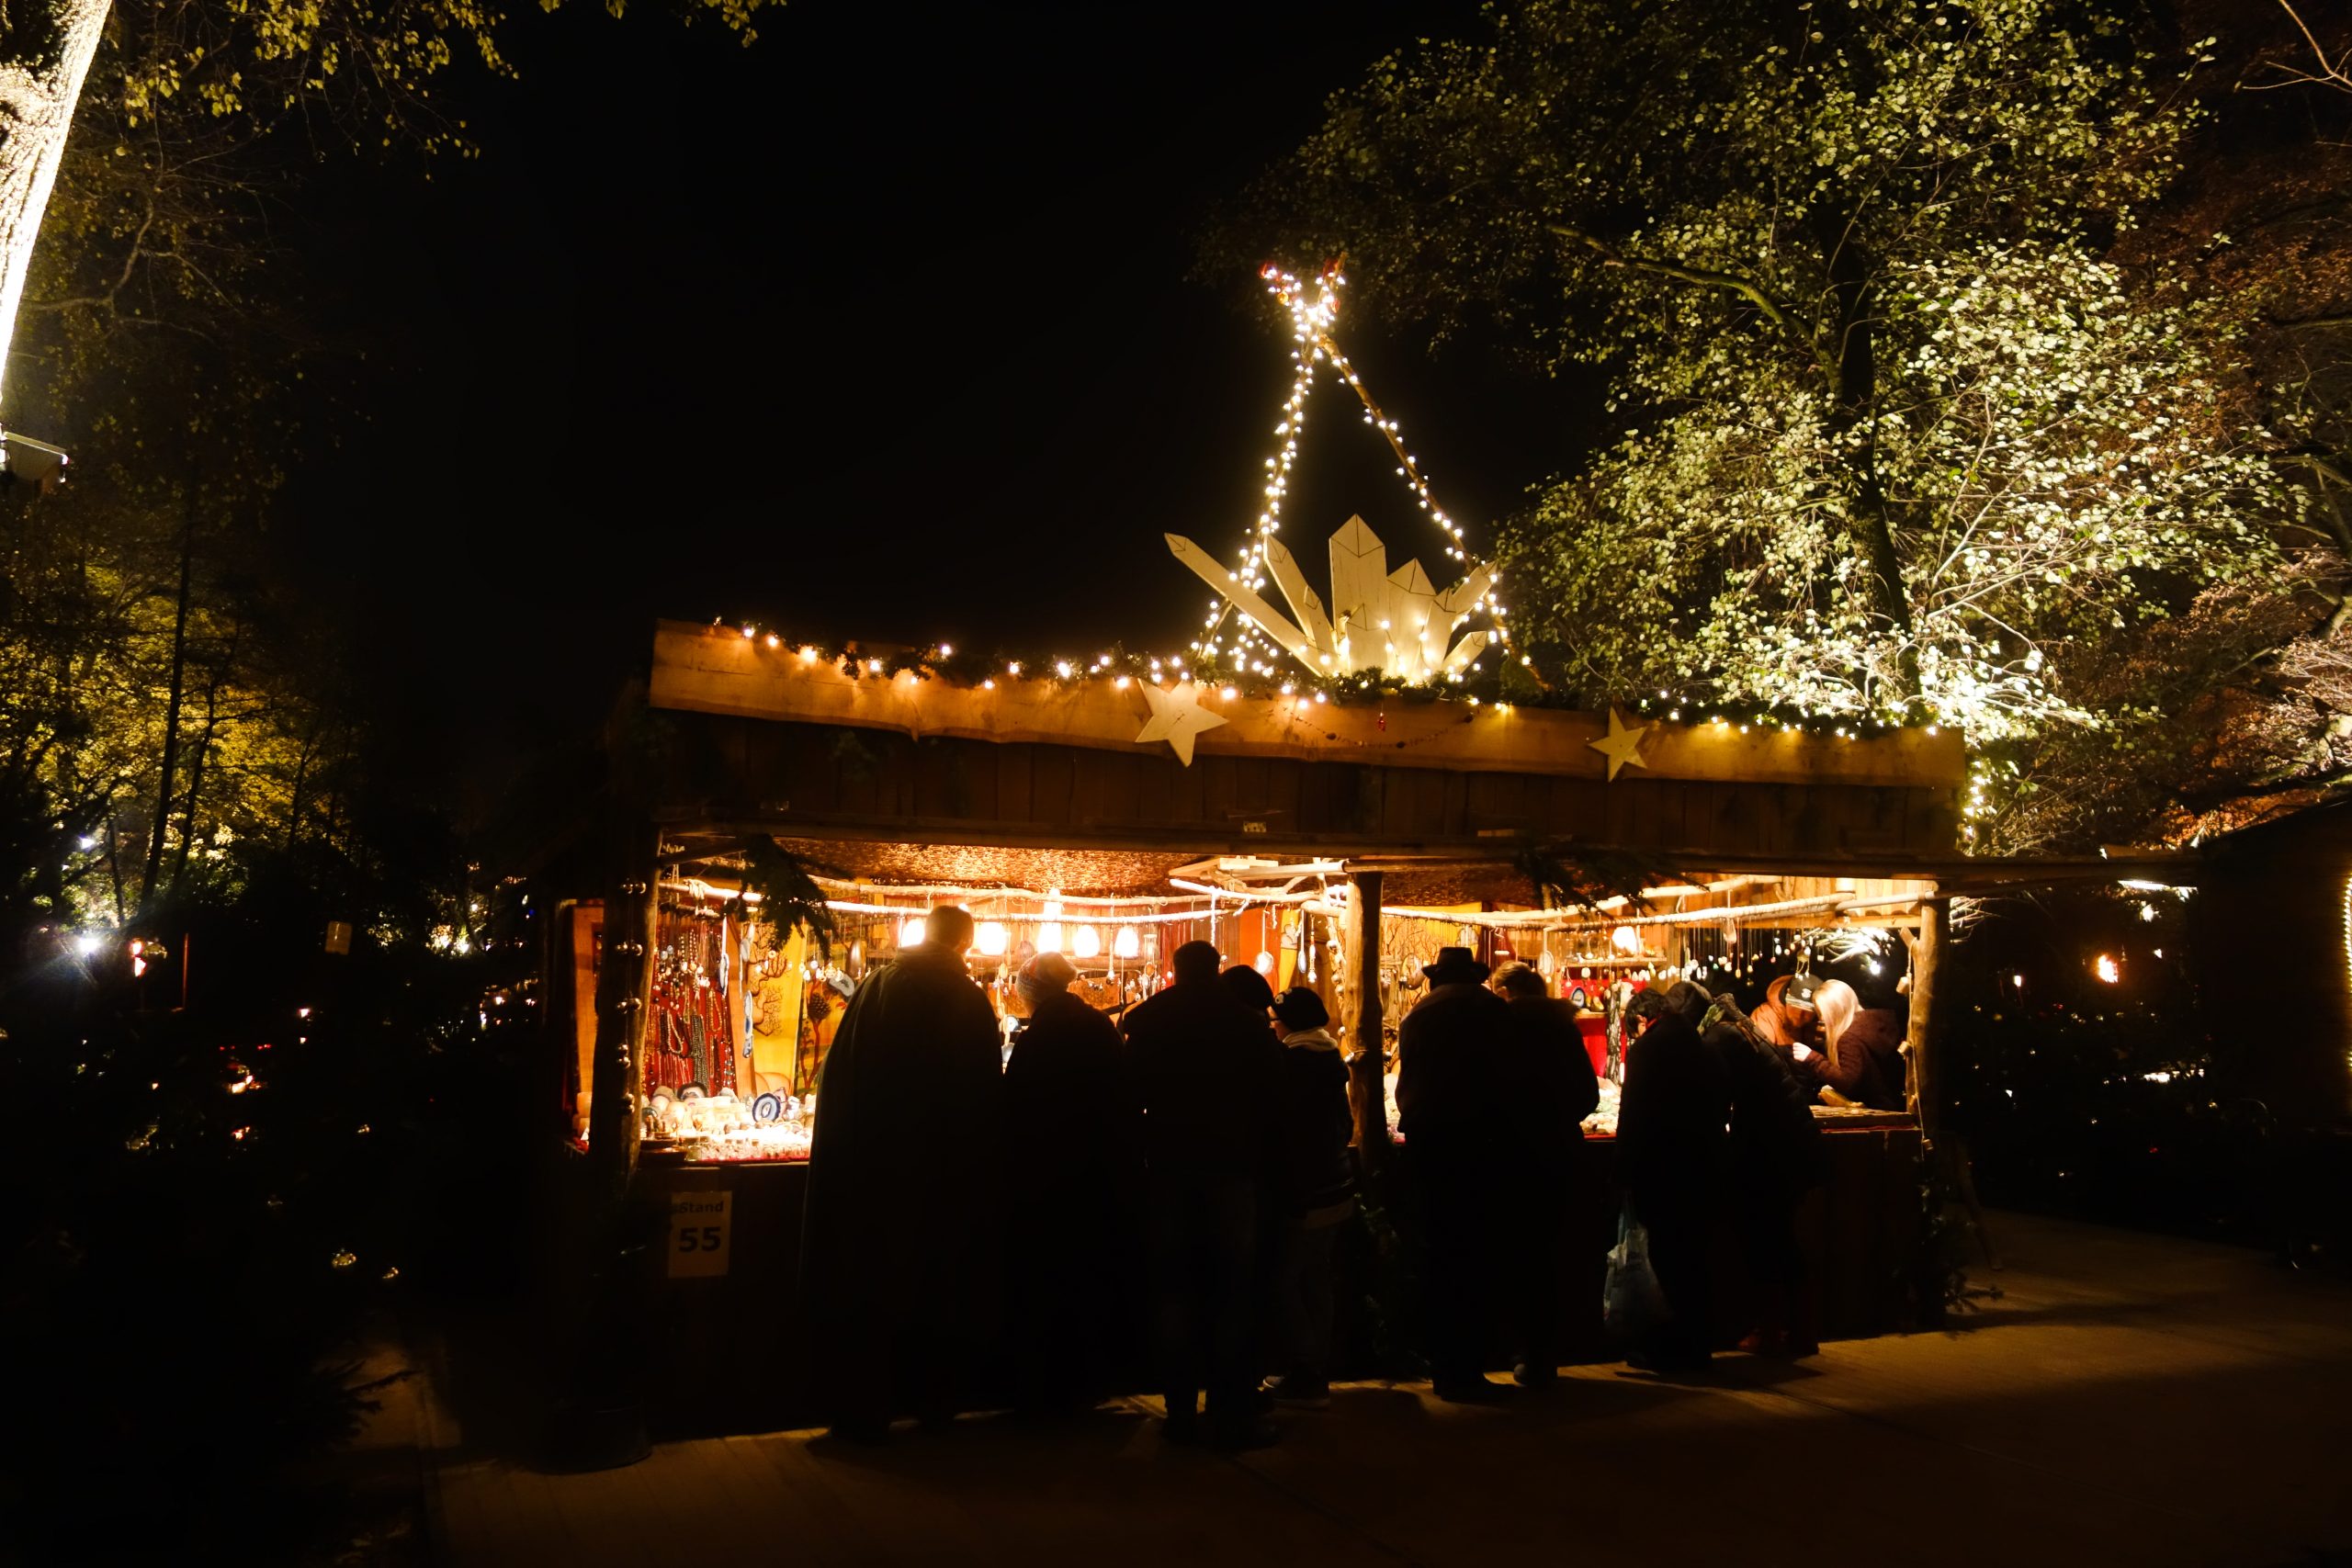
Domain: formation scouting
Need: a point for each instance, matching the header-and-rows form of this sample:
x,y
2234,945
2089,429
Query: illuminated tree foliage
x,y
172,710
1905,436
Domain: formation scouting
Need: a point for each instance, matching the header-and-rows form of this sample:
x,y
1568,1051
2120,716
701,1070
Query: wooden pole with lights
x,y
1367,1088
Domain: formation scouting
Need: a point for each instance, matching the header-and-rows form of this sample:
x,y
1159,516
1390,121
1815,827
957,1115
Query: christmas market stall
x,y
1112,816
1329,788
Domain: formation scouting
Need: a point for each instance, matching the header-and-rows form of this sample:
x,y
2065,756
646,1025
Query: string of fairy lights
x,y
1245,663
1313,311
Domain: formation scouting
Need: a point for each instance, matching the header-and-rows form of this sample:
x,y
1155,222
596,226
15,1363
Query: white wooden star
x,y
1177,717
1621,746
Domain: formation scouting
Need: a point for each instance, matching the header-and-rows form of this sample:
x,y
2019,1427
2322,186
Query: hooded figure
x,y
1462,1083
1206,1068
898,1270
1313,1192
1671,1160
1565,1091
1073,1174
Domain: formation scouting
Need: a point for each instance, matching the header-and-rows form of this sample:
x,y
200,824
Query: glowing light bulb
x,y
1049,937
2107,968
990,938
1264,963
1127,943
1086,942
911,931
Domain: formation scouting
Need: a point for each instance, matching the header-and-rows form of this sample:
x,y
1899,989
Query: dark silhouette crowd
x,y
1185,1177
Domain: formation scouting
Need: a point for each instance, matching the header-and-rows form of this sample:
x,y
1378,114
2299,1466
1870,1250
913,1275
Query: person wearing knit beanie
x,y
1048,974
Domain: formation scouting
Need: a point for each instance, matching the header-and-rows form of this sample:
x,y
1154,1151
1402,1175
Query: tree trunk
x,y
46,47
196,779
171,713
1871,529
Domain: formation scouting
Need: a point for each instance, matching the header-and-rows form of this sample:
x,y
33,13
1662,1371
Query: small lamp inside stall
x,y
1086,942
911,931
990,938
1127,943
1625,940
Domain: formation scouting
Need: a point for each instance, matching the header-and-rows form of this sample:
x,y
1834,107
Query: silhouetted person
x,y
1460,1078
1551,1141
1074,1171
899,1255
1249,988
1205,1065
1776,1156
1670,1161
1313,1194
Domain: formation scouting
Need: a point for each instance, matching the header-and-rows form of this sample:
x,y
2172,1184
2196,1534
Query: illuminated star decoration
x,y
1621,746
1177,717
1404,639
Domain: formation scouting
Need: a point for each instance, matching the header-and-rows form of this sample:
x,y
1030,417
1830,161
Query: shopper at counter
x,y
1074,1171
1671,1162
1776,1158
1461,1083
1860,1057
1552,1136
1205,1067
1313,1196
898,1253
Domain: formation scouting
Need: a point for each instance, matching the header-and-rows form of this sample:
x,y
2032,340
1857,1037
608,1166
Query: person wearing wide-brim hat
x,y
1461,1076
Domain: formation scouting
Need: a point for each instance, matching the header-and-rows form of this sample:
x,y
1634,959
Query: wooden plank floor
x,y
2129,1400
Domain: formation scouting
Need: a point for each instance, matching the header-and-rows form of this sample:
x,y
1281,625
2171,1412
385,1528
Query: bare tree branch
x,y
1745,288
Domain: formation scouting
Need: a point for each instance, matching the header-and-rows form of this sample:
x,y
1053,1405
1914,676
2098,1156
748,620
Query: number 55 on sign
x,y
698,1233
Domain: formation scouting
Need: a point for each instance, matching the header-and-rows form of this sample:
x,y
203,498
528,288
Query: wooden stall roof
x,y
765,740
707,669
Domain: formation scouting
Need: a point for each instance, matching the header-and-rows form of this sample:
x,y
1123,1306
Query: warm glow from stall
x,y
1127,943
2107,968
1625,938
911,931
1086,942
990,938
1049,937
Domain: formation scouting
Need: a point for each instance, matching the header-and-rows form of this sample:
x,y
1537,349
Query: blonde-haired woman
x,y
1860,1061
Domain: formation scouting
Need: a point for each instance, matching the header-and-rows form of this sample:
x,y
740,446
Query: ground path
x,y
2129,1400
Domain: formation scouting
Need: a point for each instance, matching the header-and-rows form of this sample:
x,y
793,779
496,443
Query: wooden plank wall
x,y
721,769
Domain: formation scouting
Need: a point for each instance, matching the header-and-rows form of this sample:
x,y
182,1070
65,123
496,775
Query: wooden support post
x,y
1919,1044
624,999
1367,1091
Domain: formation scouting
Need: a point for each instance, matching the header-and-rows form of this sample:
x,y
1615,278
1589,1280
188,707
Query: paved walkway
x,y
2129,1400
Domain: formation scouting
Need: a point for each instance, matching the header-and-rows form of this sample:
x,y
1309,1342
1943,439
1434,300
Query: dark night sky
x,y
880,327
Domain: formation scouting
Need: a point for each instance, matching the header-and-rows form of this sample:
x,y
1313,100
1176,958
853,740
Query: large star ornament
x,y
1622,746
1177,717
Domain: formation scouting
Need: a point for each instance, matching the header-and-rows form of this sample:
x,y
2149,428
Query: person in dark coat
x,y
1073,1168
1670,1161
1313,1196
899,1252
1776,1156
1461,1080
1564,1092
1205,1067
